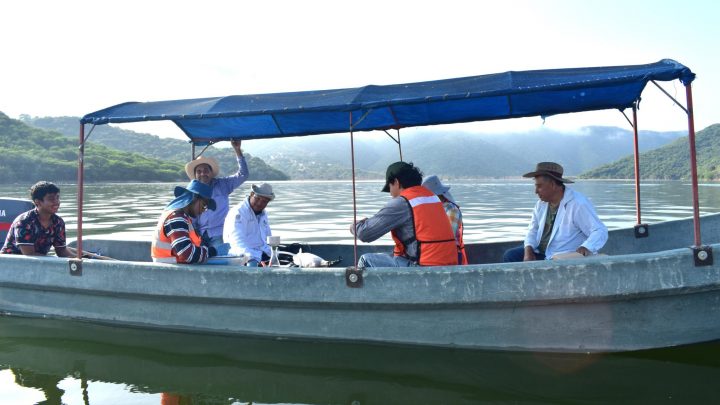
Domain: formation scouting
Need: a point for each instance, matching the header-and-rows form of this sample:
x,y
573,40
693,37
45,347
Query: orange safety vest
x,y
462,256
161,248
434,235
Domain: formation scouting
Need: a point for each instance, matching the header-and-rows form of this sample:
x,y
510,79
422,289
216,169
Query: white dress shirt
x,y
576,224
247,232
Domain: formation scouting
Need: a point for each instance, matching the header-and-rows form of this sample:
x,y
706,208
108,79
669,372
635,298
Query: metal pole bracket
x,y
702,255
354,277
642,231
75,266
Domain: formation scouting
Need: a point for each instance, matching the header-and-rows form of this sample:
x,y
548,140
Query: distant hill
x,y
449,154
153,146
671,161
30,154
455,154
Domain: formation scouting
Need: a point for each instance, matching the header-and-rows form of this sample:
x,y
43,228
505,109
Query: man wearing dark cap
x,y
563,221
175,239
416,219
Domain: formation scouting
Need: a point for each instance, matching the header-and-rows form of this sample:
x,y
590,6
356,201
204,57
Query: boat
x,y
656,286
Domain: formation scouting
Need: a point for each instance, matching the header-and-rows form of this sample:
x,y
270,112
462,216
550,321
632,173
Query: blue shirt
x,y
212,221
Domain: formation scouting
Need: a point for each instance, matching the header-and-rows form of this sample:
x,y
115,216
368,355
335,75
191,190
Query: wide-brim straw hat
x,y
191,165
185,195
551,169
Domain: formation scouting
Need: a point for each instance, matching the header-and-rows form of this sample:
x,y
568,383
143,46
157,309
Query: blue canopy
x,y
475,98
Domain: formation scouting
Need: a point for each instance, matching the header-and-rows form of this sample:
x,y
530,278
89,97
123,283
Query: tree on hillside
x,y
31,154
670,162
153,146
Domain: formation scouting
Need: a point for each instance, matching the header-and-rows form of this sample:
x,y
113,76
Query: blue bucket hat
x,y
184,196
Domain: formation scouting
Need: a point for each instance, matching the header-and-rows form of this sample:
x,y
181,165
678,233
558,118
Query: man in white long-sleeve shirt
x,y
247,227
563,220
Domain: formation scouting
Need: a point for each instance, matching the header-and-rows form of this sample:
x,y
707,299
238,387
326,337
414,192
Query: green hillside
x,y
30,154
669,162
153,146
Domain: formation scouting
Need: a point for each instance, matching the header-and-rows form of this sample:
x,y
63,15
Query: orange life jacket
x,y
434,235
161,248
462,256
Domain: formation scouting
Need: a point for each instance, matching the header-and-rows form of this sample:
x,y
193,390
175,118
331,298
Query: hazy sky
x,y
74,57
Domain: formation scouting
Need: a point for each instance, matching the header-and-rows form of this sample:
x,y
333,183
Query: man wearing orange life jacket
x,y
416,219
175,240
452,210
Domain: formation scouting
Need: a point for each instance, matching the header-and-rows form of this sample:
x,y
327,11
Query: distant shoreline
x,y
576,179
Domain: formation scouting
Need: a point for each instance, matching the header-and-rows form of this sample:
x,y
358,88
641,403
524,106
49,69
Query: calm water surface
x,y
77,363
322,211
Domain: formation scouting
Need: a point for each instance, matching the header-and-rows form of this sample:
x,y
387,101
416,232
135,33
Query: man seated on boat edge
x,y
416,219
175,239
209,224
452,210
34,232
563,220
247,226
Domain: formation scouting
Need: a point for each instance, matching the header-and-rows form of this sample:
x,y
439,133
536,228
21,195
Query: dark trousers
x,y
517,254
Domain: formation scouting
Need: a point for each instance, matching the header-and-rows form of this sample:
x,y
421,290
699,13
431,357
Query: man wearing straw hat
x,y
563,221
247,227
206,170
175,240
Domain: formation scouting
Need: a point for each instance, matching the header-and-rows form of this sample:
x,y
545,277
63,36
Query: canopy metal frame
x,y
702,254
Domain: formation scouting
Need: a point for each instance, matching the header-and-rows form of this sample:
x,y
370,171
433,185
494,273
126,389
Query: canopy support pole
x,y
80,190
693,164
75,264
397,141
352,160
701,254
353,275
201,152
637,164
399,144
673,98
641,230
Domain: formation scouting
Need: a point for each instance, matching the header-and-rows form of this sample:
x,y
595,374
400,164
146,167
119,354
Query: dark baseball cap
x,y
394,171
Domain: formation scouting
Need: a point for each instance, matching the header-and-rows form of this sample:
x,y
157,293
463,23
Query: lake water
x,y
322,211
78,363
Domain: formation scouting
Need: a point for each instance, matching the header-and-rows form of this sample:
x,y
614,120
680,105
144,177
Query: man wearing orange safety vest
x,y
452,210
175,239
416,219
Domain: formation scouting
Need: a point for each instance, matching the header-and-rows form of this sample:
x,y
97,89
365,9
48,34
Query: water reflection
x,y
321,211
55,356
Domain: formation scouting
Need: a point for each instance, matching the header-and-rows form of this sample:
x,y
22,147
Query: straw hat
x,y
191,165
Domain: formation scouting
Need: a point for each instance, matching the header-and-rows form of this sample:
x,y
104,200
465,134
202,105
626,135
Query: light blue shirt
x,y
212,221
576,224
247,232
